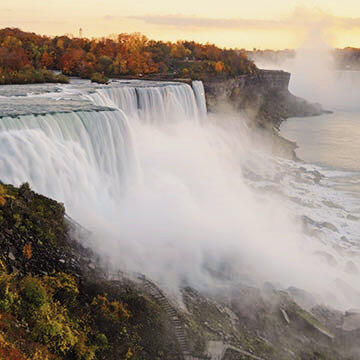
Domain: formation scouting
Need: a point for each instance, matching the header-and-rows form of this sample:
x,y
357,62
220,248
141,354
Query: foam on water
x,y
172,196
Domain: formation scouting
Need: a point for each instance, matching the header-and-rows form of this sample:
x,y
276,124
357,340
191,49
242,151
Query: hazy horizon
x,y
227,24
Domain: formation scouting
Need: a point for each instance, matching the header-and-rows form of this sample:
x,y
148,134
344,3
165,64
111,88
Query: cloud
x,y
301,17
21,22
109,17
199,22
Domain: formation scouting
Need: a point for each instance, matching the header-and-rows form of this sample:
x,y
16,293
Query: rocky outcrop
x,y
264,97
56,300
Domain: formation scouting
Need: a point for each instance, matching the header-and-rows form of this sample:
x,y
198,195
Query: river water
x,y
188,198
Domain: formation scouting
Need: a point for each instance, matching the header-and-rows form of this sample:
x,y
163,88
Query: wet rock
x,y
352,217
351,268
302,297
26,192
351,294
329,226
351,320
312,322
352,312
317,176
331,318
328,258
285,316
331,204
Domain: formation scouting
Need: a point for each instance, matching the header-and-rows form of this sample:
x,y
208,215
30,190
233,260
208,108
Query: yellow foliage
x,y
4,194
2,267
113,310
64,285
129,354
43,304
2,201
41,354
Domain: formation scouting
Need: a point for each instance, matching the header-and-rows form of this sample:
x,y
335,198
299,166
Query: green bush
x,y
33,295
99,78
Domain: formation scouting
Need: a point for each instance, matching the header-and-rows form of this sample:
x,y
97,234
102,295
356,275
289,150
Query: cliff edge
x,y
58,302
264,97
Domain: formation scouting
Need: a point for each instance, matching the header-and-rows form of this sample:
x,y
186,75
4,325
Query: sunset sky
x,y
231,23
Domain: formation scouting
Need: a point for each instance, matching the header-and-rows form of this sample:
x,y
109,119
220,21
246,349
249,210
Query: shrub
x,y
111,310
99,78
33,296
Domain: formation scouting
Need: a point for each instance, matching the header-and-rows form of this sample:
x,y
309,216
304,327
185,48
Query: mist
x,y
168,193
314,75
189,217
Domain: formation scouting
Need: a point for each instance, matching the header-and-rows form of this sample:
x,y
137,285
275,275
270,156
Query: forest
x,y
26,57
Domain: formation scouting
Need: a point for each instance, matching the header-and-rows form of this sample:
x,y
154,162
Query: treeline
x,y
347,58
25,57
342,59
271,56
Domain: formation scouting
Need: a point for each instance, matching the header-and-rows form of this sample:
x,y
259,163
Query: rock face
x,y
264,97
57,302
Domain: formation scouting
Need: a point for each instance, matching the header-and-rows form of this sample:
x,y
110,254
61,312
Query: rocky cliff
x,y
265,97
57,302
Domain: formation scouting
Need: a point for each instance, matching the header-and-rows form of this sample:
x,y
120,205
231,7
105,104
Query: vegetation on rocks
x,y
30,76
53,306
99,78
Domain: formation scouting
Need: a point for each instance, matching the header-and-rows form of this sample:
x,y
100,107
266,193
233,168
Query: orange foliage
x,y
27,251
118,55
47,60
219,66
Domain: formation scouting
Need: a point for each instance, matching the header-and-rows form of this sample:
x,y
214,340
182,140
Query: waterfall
x,y
166,194
159,103
44,150
199,92
73,155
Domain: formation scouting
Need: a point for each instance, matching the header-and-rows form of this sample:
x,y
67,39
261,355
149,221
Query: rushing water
x,y
331,140
179,195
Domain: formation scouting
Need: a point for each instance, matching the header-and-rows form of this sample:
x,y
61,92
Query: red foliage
x,y
118,55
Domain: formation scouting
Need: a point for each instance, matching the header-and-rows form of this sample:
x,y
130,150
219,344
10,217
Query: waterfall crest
x,y
101,139
54,152
155,104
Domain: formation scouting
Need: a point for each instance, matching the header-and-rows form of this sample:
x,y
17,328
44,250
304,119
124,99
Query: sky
x,y
275,24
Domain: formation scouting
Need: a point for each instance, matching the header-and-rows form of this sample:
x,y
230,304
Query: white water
x,y
165,193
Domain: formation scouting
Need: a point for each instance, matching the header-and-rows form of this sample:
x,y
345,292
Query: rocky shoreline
x,y
58,301
264,101
265,98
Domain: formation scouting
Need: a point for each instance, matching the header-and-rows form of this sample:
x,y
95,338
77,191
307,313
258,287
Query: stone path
x,y
172,313
216,349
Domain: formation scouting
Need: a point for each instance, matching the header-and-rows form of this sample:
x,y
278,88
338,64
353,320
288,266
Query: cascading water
x,y
157,103
165,193
101,139
199,92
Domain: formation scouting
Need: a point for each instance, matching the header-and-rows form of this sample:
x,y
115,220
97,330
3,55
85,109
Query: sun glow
x,y
229,23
